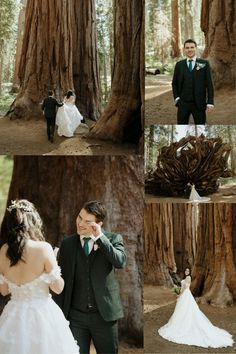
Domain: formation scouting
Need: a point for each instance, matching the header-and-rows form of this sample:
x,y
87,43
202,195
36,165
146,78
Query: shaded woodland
x,y
59,186
202,237
210,22
93,47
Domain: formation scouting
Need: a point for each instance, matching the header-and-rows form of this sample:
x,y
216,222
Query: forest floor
x,y
225,194
159,304
30,138
160,108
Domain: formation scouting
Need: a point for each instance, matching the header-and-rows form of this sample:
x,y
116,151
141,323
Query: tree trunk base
x,y
25,108
120,122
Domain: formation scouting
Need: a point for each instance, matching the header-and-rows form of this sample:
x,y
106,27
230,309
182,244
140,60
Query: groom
x,y
49,107
192,86
90,299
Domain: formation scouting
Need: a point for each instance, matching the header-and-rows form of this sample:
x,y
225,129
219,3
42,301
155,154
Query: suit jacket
x,y
203,90
49,107
108,256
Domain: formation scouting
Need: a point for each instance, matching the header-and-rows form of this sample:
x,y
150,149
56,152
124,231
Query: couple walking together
x,y
66,117
84,285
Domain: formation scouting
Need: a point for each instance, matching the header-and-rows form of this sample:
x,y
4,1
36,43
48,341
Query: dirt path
x,y
159,304
29,138
160,109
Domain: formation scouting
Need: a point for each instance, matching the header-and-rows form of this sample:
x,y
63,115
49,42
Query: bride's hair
x,y
190,273
24,223
69,94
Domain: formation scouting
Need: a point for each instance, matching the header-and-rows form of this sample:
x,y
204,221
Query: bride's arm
x,y
50,263
4,290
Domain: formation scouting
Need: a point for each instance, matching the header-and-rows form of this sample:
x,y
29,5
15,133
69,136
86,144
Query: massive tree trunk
x,y
121,119
214,271
158,244
169,241
46,60
85,58
188,21
20,32
175,42
59,186
218,22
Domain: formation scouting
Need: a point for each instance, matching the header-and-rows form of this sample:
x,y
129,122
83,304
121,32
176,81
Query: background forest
x,y
168,24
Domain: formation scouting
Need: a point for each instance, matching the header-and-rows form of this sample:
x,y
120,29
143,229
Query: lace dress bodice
x,y
38,288
185,284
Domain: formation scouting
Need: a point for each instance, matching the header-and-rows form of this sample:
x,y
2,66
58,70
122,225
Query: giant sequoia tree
x,y
121,119
58,52
85,58
202,237
214,270
60,185
218,22
46,58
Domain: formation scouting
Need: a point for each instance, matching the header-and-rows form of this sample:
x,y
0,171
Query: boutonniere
x,y
95,247
200,66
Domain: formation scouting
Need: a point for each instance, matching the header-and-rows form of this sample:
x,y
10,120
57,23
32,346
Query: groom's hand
x,y
96,229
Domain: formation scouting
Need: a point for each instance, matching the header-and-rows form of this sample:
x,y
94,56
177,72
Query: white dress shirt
x,y
91,242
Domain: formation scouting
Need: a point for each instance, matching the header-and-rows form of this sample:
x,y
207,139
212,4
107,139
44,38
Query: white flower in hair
x,y
17,205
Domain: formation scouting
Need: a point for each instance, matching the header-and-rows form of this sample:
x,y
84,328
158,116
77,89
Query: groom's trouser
x,y
185,109
91,326
50,126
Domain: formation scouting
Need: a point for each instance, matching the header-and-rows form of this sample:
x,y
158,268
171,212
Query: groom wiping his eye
x,y
91,300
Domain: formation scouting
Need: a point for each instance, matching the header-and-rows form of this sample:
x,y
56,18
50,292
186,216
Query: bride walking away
x,y
31,322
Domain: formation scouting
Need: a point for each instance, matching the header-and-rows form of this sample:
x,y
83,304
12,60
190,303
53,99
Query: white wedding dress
x,y
32,323
188,325
68,118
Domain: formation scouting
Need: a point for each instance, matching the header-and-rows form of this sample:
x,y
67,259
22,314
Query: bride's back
x,y
32,265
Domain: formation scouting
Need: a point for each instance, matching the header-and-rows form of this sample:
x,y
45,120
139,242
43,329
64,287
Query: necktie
x,y
190,65
86,245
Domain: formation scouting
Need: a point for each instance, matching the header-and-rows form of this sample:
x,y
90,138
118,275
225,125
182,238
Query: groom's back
x,y
49,106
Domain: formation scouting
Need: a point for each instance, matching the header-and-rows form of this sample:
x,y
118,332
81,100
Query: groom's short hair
x,y
50,93
96,208
190,41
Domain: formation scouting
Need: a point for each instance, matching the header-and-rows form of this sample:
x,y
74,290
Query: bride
x,y
31,322
188,325
68,117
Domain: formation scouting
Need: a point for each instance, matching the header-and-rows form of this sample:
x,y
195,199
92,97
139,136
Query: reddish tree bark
x,y
46,60
85,58
218,22
215,270
121,119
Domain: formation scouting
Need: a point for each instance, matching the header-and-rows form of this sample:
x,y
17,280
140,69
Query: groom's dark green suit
x,y
91,299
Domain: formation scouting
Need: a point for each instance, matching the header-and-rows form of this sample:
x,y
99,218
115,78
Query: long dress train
x,y
188,324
